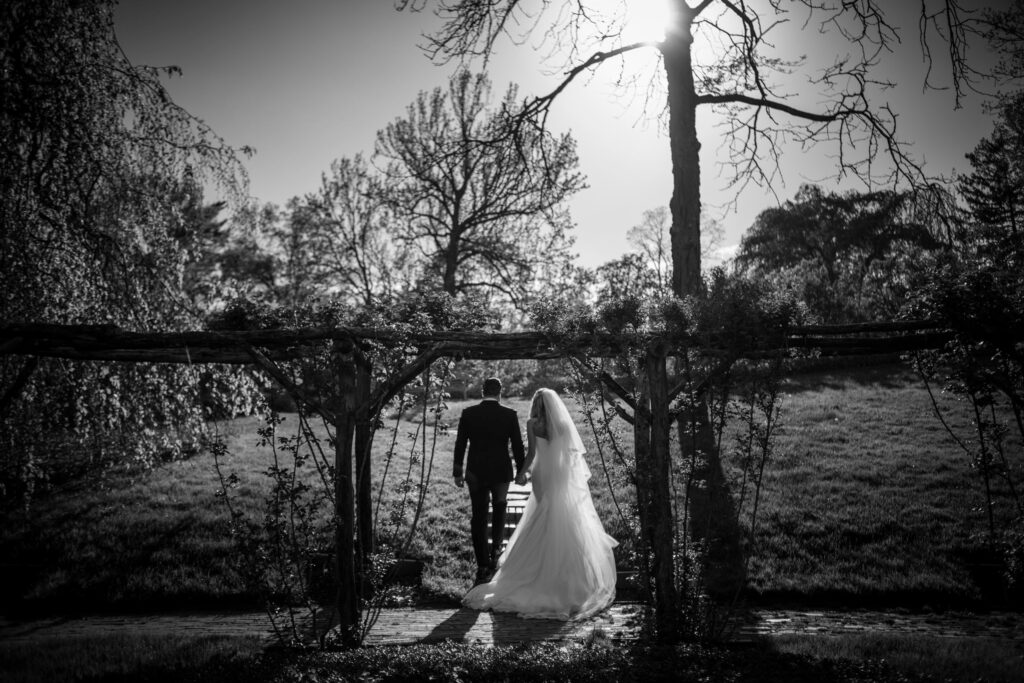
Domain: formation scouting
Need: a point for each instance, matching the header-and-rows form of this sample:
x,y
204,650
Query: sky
x,y
309,81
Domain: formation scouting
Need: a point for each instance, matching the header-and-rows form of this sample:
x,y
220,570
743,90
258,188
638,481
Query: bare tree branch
x,y
741,78
738,98
538,107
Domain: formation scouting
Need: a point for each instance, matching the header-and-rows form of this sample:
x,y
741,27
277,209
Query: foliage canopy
x,y
100,216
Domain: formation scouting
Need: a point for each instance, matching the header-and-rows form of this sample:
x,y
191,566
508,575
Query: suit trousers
x,y
481,497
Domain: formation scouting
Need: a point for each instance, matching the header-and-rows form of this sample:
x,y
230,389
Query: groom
x,y
490,429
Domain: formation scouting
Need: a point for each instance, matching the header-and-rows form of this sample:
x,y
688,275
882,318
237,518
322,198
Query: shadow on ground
x,y
714,522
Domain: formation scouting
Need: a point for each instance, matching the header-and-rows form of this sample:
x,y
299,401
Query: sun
x,y
646,20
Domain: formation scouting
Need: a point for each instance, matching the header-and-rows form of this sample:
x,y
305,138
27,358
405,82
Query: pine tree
x,y
994,189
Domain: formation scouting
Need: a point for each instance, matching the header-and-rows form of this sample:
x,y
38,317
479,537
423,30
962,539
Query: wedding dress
x,y
559,562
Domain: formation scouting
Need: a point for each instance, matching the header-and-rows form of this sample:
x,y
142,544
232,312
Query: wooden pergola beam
x,y
352,418
232,347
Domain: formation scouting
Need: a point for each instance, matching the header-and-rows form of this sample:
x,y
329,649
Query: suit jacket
x,y
490,429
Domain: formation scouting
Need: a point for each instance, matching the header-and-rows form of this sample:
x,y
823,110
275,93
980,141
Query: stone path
x,y
764,622
620,623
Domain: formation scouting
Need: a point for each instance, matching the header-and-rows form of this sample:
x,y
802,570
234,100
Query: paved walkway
x,y
764,622
620,623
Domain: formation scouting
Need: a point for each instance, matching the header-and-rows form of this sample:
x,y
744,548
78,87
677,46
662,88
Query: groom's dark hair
x,y
492,386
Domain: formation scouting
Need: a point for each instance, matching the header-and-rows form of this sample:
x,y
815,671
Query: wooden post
x,y
644,483
364,442
662,521
347,601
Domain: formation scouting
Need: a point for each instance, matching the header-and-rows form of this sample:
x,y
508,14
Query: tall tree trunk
x,y
644,482
347,600
667,607
451,264
685,203
682,126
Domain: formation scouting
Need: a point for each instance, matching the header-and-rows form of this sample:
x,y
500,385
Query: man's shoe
x,y
483,575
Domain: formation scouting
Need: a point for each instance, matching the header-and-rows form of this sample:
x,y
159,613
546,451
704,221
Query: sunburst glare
x,y
646,20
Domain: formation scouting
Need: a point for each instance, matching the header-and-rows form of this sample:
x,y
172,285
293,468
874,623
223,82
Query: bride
x,y
559,562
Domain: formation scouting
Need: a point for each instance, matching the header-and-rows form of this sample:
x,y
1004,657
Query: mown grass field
x,y
866,500
160,538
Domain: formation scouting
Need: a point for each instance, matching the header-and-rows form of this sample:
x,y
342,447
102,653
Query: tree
x,y
95,157
485,216
629,277
849,230
248,267
644,272
274,257
743,76
100,180
858,241
1003,29
201,274
362,260
339,243
296,239
651,239
994,188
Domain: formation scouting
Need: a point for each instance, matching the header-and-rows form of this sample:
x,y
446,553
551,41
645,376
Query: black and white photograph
x,y
512,340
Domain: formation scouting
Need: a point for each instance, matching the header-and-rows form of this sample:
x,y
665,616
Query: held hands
x,y
521,479
459,481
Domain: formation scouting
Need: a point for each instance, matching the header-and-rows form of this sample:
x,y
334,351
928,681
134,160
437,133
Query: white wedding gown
x,y
559,562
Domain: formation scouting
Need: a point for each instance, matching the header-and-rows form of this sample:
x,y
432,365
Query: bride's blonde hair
x,y
564,461
537,407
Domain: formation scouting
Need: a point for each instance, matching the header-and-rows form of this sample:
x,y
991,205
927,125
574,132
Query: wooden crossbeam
x,y
232,347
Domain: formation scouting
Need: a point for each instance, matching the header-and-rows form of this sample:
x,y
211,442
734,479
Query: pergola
x,y
361,399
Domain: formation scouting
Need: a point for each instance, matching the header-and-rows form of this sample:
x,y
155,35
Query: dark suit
x,y
490,429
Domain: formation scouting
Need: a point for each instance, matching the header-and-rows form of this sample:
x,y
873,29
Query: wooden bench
x,y
516,505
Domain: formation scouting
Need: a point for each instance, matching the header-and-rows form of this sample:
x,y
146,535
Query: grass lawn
x,y
943,658
153,539
867,499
